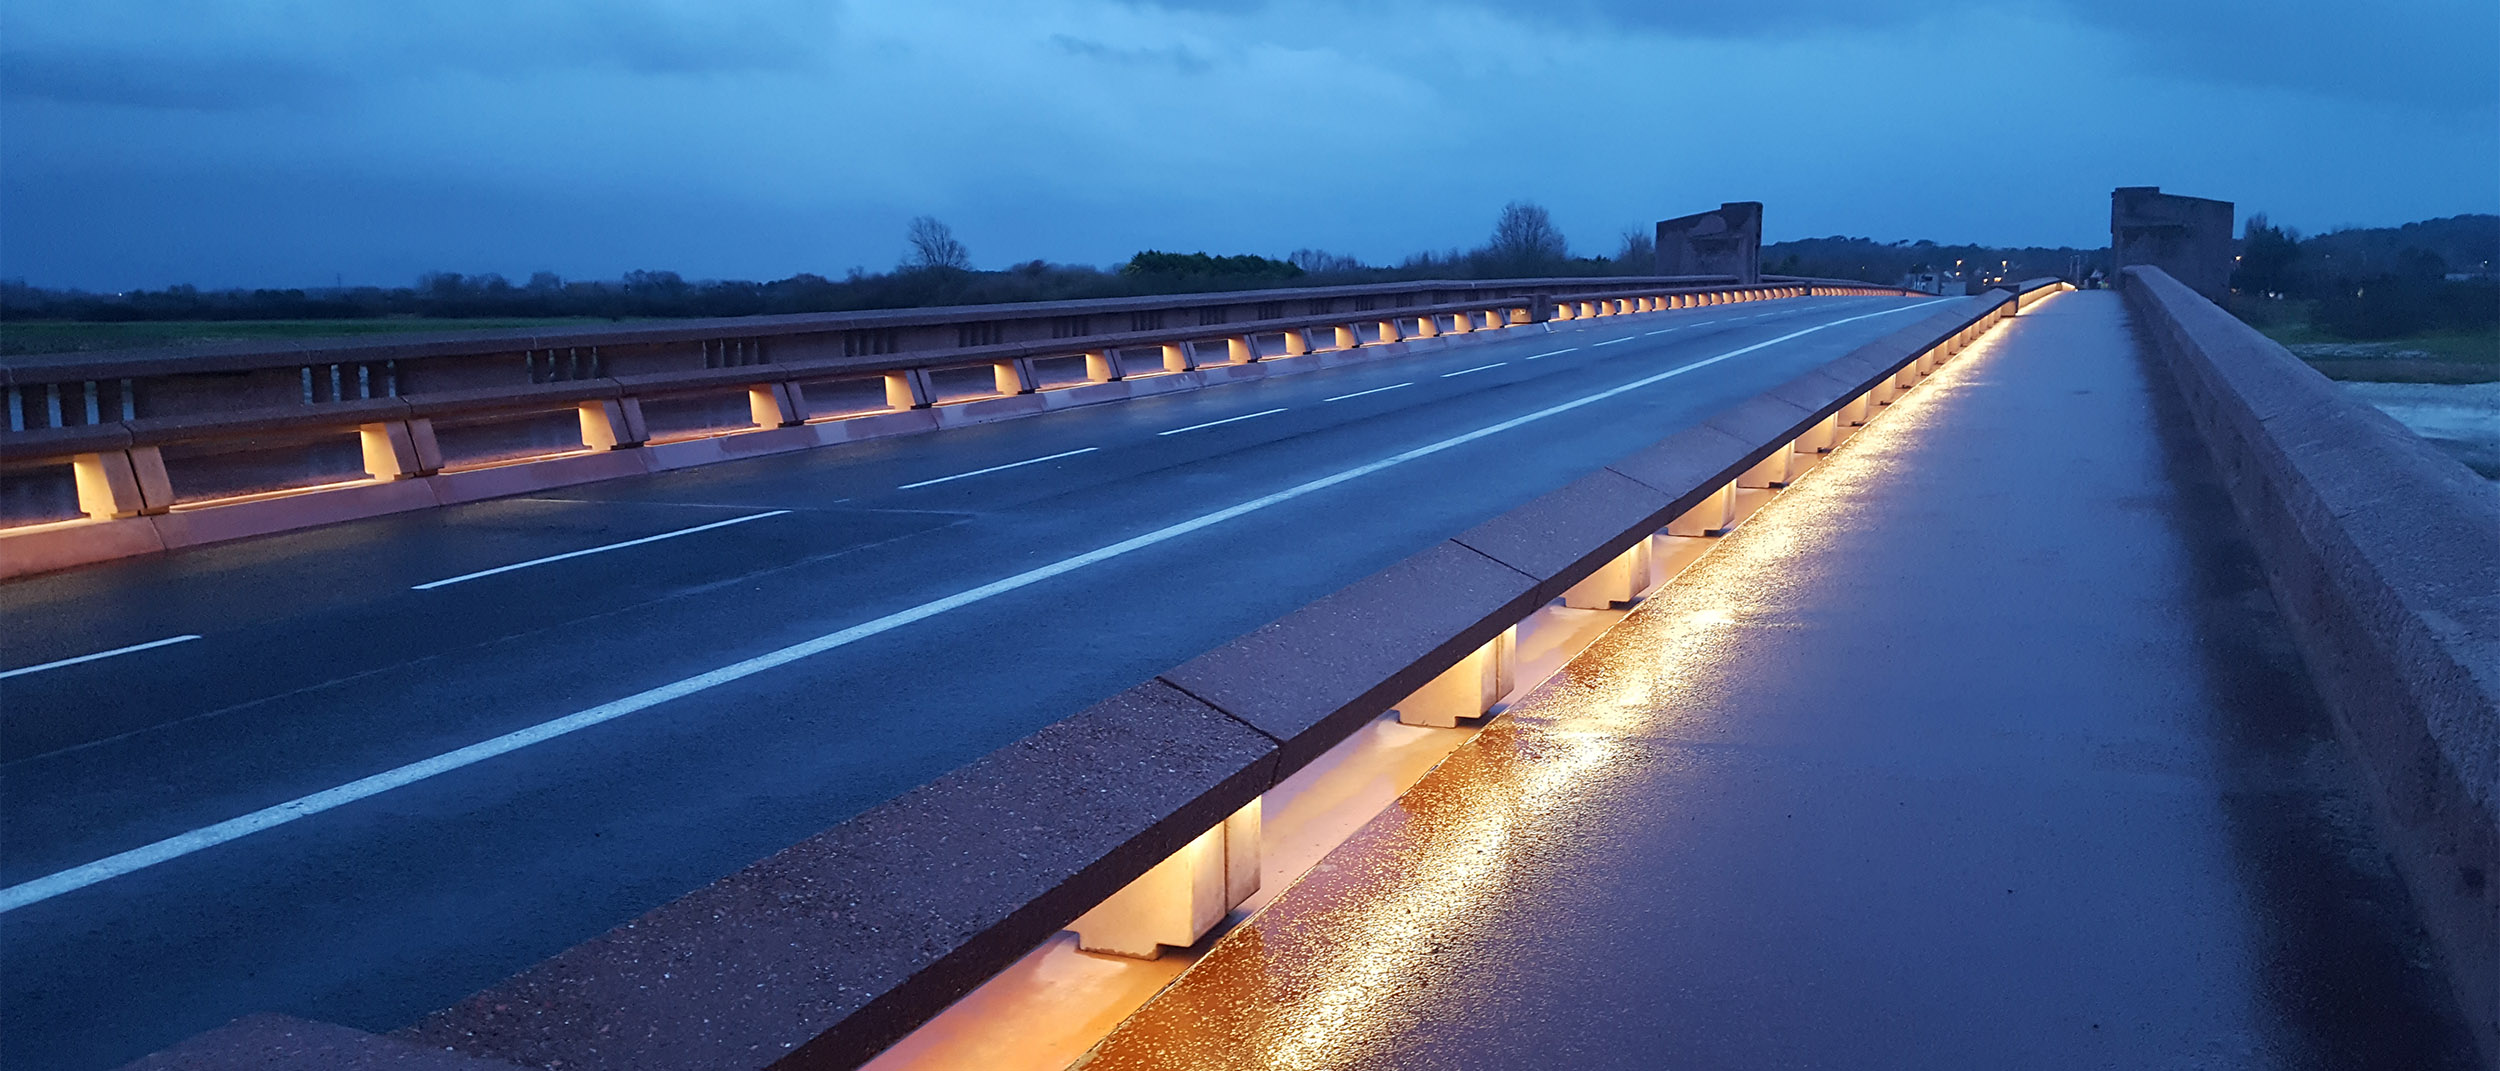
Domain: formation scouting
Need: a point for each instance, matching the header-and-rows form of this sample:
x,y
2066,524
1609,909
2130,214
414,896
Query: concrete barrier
x,y
114,441
2384,555
825,953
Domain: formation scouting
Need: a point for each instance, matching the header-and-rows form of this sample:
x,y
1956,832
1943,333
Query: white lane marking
x,y
1360,393
466,577
1226,420
1478,368
1000,468
148,646
175,847
1655,334
1554,353
1611,341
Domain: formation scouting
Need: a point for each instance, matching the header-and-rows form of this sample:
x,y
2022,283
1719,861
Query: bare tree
x,y
933,246
1525,236
1639,254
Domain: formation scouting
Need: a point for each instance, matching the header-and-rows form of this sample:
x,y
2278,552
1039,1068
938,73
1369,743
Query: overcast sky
x,y
227,142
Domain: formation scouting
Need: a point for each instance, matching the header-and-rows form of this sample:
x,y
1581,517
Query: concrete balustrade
x,y
608,386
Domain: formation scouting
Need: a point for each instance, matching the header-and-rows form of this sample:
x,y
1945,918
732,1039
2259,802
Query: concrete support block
x,y
612,424
1771,471
1617,582
429,450
1241,349
1853,413
1297,342
1466,690
1389,332
1102,366
108,487
1820,438
1462,323
1347,338
1015,376
389,453
771,405
1714,516
1183,897
908,389
1427,327
1177,358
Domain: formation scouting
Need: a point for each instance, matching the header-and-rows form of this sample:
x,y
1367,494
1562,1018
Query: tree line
x,y
937,270
2375,282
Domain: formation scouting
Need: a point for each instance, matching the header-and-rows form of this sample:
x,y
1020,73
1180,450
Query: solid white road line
x,y
1226,420
466,577
1553,353
1360,393
1000,468
1478,368
150,645
1611,341
175,847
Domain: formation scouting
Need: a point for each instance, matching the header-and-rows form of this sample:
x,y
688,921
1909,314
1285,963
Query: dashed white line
x,y
1000,468
1611,341
136,647
1226,420
1360,393
482,573
1478,368
44,888
1655,334
1553,353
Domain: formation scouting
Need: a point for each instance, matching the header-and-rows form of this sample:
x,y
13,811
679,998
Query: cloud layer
x,y
226,142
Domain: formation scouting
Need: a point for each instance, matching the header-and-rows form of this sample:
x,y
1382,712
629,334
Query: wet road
x,y
675,675
1982,747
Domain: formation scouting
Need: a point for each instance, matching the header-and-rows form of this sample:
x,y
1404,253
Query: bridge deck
x,y
1983,748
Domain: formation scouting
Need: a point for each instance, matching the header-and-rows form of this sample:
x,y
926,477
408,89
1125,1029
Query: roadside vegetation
x,y
2412,304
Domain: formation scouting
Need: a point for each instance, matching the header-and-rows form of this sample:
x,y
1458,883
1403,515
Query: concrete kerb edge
x,y
2394,652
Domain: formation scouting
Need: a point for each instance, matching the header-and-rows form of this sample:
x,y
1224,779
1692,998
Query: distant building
x,y
2188,237
1725,242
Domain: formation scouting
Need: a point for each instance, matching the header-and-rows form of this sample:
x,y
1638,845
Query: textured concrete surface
x,y
1985,746
319,665
2385,556
279,1043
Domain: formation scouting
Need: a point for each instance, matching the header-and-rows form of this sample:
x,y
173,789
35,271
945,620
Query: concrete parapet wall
x,y
2385,556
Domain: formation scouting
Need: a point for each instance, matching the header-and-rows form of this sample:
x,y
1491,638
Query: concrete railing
x,y
107,455
1136,821
2384,555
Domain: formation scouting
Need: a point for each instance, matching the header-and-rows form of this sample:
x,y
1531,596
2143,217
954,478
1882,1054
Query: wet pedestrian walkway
x,y
1981,748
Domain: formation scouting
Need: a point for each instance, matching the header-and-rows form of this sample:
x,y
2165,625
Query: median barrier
x,y
2384,555
825,953
255,427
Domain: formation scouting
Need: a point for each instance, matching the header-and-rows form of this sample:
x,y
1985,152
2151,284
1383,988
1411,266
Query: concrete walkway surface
x,y
1983,747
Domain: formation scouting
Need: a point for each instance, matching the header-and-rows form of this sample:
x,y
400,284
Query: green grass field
x,y
2429,357
65,336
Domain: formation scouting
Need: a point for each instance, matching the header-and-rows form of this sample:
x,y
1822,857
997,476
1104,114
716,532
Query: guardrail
x,y
2384,555
107,455
1134,820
